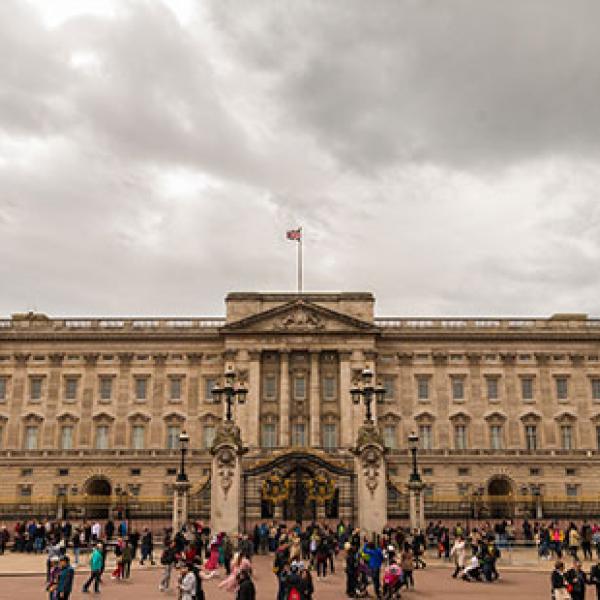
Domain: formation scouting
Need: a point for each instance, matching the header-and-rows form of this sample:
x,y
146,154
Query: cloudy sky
x,y
444,154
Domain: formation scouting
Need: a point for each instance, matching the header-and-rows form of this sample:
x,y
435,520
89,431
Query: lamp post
x,y
184,440
413,444
415,487
181,488
366,390
232,391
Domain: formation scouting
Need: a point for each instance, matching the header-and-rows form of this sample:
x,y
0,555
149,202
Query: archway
x,y
98,491
500,501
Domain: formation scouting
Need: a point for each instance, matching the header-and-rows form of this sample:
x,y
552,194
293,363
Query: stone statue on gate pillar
x,y
227,451
372,479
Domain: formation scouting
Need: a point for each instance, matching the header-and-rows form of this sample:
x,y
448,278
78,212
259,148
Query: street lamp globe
x,y
413,441
184,440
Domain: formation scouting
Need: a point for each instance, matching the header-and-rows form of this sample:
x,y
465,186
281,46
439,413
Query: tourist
x,y
573,541
321,556
459,553
595,577
576,581
66,577
52,578
118,572
76,541
167,560
375,560
96,568
351,569
188,586
246,589
147,547
307,588
558,583
212,564
4,539
96,531
407,561
239,563
586,541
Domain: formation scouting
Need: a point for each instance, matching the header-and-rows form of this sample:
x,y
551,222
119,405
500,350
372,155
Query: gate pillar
x,y
372,480
225,489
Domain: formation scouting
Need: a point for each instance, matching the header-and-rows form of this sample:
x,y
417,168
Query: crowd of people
x,y
383,565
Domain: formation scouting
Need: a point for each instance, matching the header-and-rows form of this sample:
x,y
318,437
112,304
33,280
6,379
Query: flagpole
x,y
300,261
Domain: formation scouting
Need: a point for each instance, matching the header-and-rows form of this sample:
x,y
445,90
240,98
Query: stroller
x,y
362,580
392,582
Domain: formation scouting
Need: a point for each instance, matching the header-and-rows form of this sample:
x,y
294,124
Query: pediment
x,y
300,316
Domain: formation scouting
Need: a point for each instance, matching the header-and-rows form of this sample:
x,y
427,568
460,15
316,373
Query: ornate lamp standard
x,y
415,487
413,444
184,440
366,390
182,487
231,392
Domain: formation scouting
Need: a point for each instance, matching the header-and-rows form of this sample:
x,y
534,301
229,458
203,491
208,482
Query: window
x,y
388,386
66,437
527,388
299,387
298,435
425,437
31,437
175,388
572,490
141,388
71,388
106,388
208,435
209,384
458,388
598,437
3,388
137,437
390,436
173,432
329,387
269,435
27,472
428,471
531,437
535,472
25,491
562,388
566,437
570,472
35,389
135,472
496,437
596,388
460,437
102,437
492,388
330,436
171,472
464,471
423,388
270,387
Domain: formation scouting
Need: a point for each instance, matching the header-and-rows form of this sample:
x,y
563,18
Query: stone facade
x,y
507,410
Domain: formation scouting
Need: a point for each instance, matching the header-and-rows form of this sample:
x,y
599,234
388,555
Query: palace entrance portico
x,y
298,486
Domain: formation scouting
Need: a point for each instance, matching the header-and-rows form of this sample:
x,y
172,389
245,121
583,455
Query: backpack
x,y
294,594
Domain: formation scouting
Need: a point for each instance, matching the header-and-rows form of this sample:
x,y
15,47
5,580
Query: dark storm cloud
x,y
441,154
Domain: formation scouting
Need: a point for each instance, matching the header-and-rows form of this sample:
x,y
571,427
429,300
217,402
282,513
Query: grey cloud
x,y
462,82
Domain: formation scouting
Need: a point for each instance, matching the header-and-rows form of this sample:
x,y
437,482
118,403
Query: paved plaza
x,y
530,582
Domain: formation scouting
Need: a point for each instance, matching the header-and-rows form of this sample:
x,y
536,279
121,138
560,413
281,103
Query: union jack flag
x,y
294,234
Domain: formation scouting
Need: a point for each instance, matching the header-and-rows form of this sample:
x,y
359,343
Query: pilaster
x,y
284,400
315,405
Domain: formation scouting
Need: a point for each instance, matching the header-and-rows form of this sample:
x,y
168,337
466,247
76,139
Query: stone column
x,y
372,480
315,404
89,385
416,504
52,400
225,491
180,504
284,400
122,399
19,391
346,406
253,402
160,393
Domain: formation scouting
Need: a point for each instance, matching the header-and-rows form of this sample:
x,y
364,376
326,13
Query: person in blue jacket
x,y
375,555
65,579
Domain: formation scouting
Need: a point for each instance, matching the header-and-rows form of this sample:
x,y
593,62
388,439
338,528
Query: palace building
x,y
507,411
